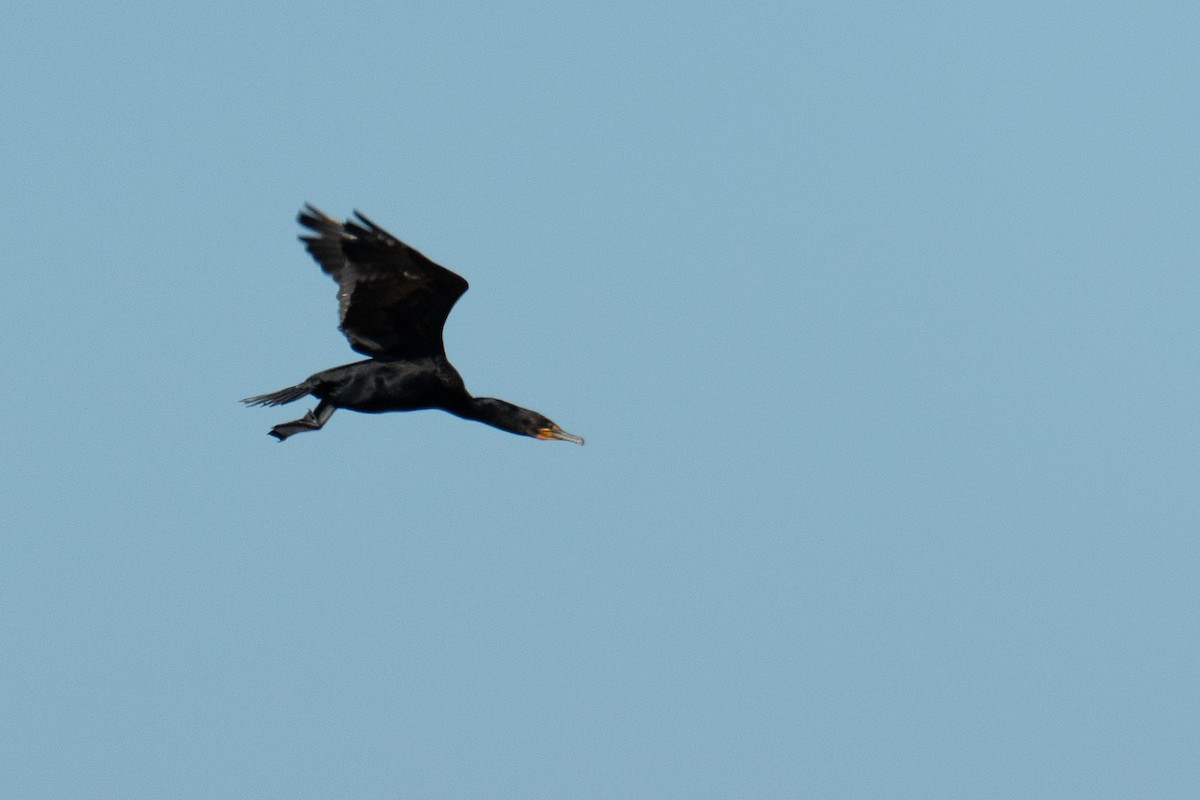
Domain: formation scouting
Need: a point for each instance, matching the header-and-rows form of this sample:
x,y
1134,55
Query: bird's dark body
x,y
393,303
374,387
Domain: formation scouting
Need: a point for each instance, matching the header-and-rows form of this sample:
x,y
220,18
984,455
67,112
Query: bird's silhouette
x,y
393,303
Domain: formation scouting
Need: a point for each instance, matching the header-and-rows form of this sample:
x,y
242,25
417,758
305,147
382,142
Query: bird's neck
x,y
490,411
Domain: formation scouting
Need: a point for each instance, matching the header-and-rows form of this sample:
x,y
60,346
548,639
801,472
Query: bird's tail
x,y
283,395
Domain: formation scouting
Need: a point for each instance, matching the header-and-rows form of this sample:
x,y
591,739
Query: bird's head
x,y
535,425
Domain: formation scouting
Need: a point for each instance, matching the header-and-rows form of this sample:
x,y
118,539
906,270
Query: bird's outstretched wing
x,y
392,300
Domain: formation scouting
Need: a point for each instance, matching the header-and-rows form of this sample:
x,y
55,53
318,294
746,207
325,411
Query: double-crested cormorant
x,y
393,303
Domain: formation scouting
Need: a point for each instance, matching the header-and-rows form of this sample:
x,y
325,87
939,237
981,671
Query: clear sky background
x,y
880,320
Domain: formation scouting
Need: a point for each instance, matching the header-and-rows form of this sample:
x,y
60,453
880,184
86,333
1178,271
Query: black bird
x,y
393,303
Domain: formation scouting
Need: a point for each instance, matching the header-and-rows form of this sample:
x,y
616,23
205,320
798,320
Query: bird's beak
x,y
555,432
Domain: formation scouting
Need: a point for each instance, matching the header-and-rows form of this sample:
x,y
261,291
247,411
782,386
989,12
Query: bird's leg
x,y
311,421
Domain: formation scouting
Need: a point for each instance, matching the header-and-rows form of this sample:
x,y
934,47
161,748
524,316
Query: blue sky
x,y
879,319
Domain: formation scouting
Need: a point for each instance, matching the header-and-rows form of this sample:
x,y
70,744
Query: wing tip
x,y
317,220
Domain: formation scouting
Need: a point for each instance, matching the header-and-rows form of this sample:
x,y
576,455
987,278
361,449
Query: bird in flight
x,y
393,303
